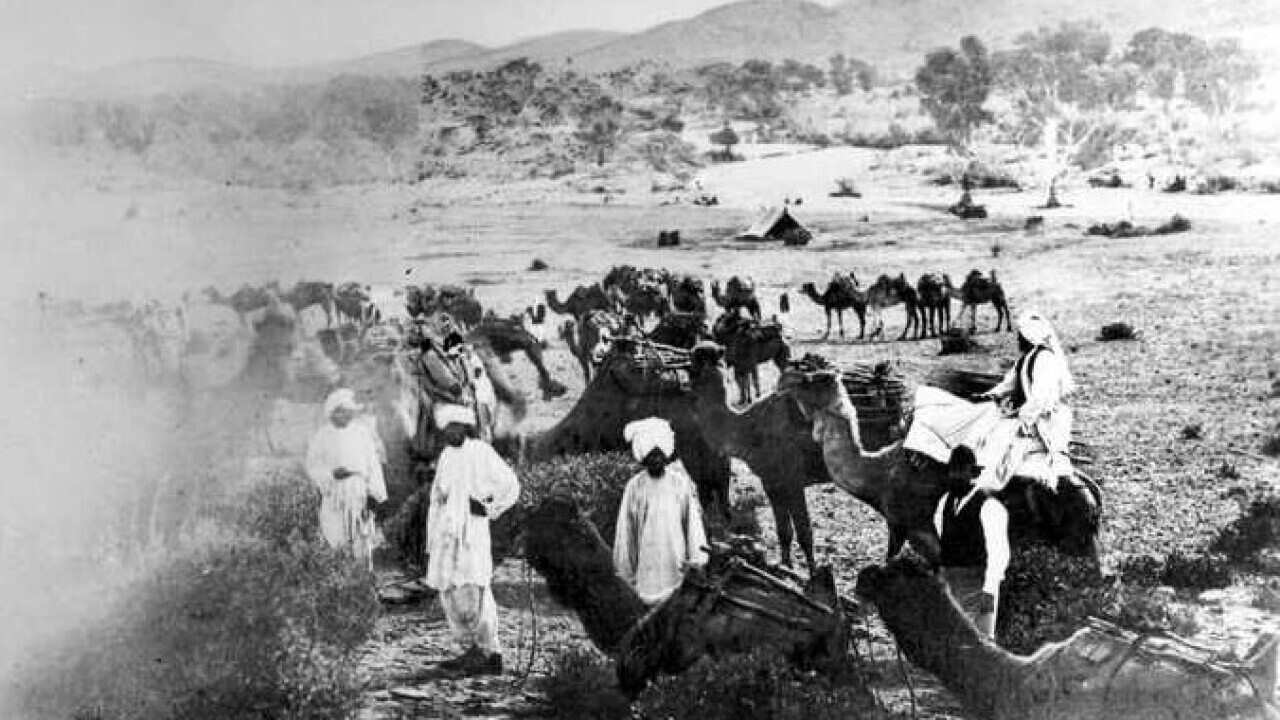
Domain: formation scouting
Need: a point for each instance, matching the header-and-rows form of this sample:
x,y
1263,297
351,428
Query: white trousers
x,y
473,616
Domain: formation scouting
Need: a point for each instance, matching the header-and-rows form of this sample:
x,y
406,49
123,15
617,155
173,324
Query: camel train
x,y
648,342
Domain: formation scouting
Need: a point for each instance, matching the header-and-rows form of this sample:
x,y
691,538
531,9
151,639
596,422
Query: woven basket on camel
x,y
878,393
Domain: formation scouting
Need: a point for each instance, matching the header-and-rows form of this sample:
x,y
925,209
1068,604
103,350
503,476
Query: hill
x,y
548,50
401,62
766,29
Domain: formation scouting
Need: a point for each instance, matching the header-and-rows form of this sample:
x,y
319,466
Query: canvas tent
x,y
773,225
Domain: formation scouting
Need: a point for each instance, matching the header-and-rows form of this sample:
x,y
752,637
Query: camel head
x,y
813,390
705,356
898,583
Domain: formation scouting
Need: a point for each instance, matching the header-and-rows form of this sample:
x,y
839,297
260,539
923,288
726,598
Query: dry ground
x,y
1207,302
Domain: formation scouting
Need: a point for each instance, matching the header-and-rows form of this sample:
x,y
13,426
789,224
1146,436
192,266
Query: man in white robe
x,y
473,486
343,461
660,532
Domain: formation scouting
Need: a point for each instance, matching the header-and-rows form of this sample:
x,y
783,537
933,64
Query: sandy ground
x,y
1207,302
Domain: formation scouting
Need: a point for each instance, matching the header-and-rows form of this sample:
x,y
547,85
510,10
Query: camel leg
x,y
827,334
840,318
804,531
782,522
862,321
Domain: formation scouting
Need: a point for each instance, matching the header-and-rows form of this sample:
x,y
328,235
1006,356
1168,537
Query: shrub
x,y
1047,596
754,685
267,623
1117,331
1195,571
583,686
1258,528
595,481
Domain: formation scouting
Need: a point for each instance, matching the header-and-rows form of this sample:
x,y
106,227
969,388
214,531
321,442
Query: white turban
x,y
1036,329
342,398
1039,331
446,413
649,434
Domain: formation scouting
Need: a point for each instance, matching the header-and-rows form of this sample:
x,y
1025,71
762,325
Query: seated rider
x,y
1033,395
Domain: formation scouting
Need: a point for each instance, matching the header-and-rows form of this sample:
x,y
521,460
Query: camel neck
x,y
988,679
719,423
852,468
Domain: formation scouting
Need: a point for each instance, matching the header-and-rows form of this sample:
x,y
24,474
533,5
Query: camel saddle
x,y
735,604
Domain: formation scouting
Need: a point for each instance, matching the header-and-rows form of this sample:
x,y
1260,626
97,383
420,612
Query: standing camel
x,y
589,339
772,437
307,293
581,301
935,304
887,292
686,294
978,290
842,294
738,293
747,344
905,486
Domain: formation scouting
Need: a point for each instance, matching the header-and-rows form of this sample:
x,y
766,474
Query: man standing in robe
x,y
473,486
343,462
660,532
973,528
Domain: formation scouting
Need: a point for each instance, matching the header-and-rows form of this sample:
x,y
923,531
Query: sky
x,y
85,34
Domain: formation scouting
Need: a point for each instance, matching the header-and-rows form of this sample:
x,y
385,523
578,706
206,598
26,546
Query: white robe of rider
x,y
1033,439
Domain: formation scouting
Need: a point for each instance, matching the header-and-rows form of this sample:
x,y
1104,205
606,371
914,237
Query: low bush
x,y
1256,529
1187,571
754,685
595,481
1047,596
583,685
255,618
1117,331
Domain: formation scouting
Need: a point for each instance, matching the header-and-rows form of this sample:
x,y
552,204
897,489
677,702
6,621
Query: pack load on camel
x,y
878,393
778,223
737,603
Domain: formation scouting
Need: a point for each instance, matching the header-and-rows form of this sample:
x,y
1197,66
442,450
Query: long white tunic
x,y
457,541
343,519
659,530
1032,443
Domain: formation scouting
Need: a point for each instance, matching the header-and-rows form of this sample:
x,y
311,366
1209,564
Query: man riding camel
x,y
1027,432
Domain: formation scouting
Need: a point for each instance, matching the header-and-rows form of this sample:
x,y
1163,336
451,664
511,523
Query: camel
x,y
842,294
351,301
582,300
504,336
934,304
887,292
459,303
772,437
1099,672
747,344
681,330
645,301
738,293
589,339
686,294
905,487
976,291
307,293
628,386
